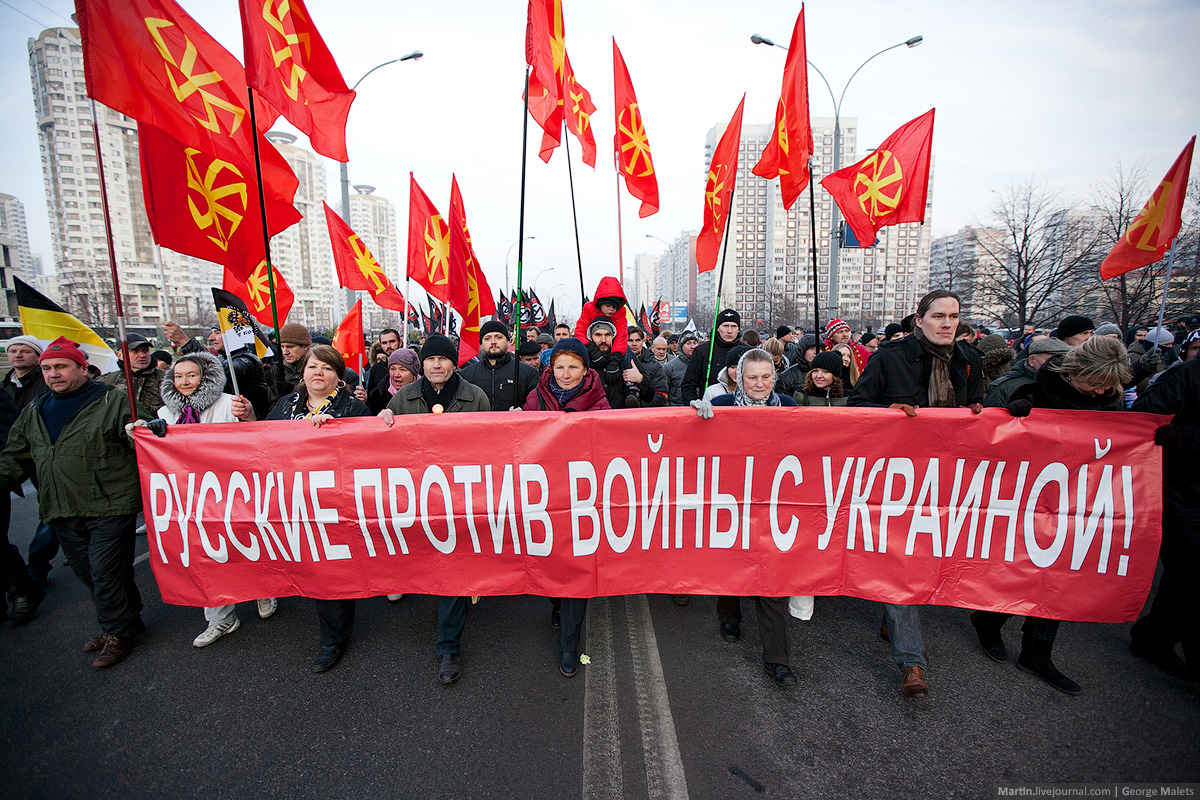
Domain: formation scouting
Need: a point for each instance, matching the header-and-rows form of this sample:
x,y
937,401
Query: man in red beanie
x,y
73,438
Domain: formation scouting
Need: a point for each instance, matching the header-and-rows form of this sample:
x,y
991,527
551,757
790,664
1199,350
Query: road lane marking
x,y
602,775
665,778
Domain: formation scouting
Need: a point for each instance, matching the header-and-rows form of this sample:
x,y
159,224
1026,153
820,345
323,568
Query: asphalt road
x,y
664,710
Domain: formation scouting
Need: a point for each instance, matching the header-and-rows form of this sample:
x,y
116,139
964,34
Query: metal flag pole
x,y
119,306
620,248
720,280
812,247
1162,309
262,210
574,214
521,235
407,302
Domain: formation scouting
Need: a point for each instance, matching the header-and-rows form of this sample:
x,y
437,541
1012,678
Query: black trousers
x,y
100,550
14,576
337,621
772,624
572,611
1043,630
1175,614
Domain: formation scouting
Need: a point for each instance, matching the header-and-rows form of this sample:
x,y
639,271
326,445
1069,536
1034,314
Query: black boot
x,y
1035,658
989,635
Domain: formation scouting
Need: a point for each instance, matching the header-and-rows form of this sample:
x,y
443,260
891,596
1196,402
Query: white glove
x,y
704,408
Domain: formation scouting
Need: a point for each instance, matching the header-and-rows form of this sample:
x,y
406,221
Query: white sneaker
x,y
215,631
267,607
395,598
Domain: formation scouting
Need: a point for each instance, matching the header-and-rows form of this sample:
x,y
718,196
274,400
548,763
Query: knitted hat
x,y
891,330
835,325
405,358
1049,346
321,340
673,339
782,331
867,337
829,361
735,354
729,315
161,355
573,347
1107,329
294,333
438,345
1069,326
526,349
1160,336
62,347
601,322
992,342
494,326
688,336
28,341
909,323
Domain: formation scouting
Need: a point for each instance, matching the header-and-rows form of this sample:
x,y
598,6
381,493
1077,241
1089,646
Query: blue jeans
x,y
904,632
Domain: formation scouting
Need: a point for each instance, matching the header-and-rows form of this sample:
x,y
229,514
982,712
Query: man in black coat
x,y
697,379
377,375
1175,614
492,370
929,369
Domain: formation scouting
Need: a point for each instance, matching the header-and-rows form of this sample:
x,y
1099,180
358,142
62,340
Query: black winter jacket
x,y
694,380
496,380
1177,391
900,374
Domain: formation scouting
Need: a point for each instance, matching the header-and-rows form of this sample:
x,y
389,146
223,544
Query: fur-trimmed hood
x,y
212,383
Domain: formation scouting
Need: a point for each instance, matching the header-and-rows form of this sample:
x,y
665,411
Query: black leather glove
x,y
1020,407
158,427
1165,435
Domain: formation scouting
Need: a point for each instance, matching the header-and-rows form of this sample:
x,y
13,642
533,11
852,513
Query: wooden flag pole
x,y
262,210
574,214
521,236
119,306
812,247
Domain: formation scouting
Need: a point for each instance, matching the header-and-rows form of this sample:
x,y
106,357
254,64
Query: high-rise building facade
x,y
373,218
679,283
302,251
643,283
14,233
768,272
963,262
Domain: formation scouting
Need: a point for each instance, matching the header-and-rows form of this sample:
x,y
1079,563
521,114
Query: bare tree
x,y
1184,297
1039,268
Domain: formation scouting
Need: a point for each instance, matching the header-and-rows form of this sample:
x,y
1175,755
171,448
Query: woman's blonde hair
x,y
1100,361
854,372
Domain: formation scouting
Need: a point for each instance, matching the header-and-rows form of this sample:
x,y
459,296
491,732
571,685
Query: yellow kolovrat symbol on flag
x,y
472,297
877,173
368,266
437,250
583,119
781,134
214,215
635,133
257,286
292,42
1150,219
713,192
190,83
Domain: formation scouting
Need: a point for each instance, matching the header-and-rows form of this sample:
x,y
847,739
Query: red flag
x,y
632,145
889,186
207,207
478,301
1156,225
255,292
357,268
786,156
428,244
718,192
577,102
348,338
150,60
545,52
287,60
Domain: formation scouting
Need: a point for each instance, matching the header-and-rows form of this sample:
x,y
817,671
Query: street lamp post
x,y
533,283
507,285
834,238
345,172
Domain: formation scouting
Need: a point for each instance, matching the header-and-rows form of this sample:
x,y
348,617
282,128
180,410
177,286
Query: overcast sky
x,y
1057,90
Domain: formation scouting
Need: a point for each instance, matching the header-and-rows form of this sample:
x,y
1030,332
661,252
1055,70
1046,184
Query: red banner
x,y
1058,515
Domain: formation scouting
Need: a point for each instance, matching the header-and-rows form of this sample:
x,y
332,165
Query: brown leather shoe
x,y
94,645
912,683
114,652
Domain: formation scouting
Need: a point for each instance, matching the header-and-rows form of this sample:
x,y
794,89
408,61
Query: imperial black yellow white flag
x,y
45,321
238,328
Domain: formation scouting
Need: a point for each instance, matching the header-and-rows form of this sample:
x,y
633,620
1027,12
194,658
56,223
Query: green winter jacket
x,y
91,471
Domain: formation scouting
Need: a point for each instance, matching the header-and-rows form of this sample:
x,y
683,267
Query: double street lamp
x,y
507,285
835,240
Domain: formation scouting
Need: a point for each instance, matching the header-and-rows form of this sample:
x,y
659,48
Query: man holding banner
x,y
928,369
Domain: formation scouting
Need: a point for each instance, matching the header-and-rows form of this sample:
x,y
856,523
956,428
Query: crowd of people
x,y
71,434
